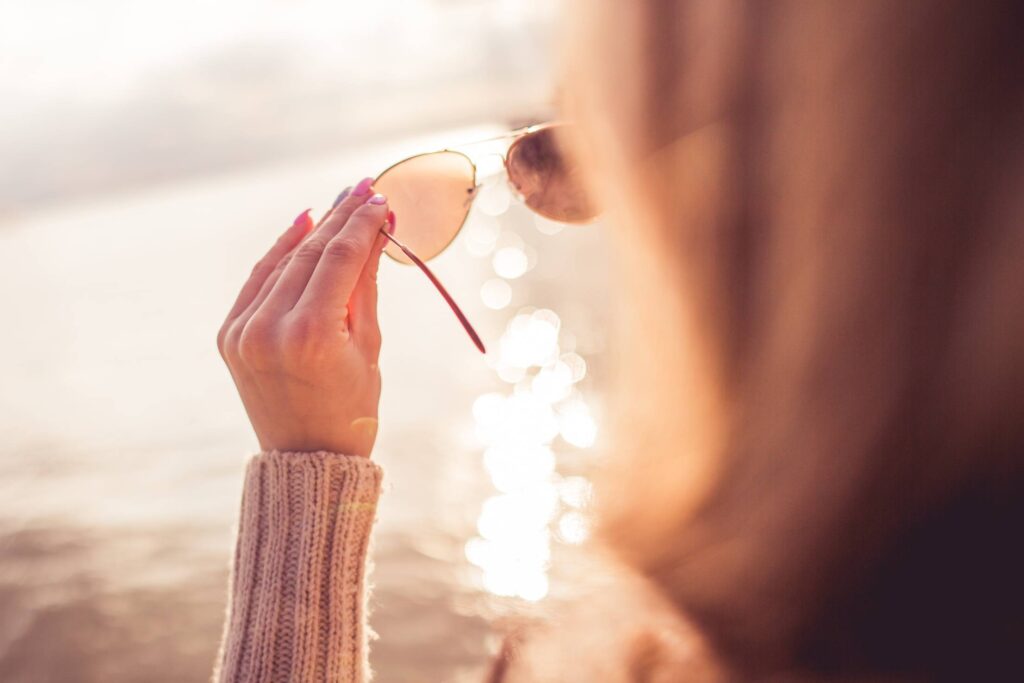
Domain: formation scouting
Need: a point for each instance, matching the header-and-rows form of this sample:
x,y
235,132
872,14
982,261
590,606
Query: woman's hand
x,y
302,339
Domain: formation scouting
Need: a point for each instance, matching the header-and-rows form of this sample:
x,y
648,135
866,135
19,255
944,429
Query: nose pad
x,y
512,187
471,194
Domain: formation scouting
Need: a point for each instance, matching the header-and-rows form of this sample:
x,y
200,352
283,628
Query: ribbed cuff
x,y
297,597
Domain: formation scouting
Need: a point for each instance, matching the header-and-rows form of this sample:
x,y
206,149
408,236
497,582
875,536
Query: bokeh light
x,y
573,527
510,262
576,424
494,198
480,234
520,431
496,294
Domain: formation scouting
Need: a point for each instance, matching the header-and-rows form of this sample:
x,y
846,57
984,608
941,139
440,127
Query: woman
x,y
822,414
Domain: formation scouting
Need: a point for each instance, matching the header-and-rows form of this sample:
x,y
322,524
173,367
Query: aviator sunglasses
x,y
433,192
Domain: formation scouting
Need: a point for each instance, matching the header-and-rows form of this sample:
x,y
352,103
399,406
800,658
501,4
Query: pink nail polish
x,y
302,217
363,187
391,222
378,199
341,197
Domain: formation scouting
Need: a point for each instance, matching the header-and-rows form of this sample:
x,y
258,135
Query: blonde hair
x,y
819,208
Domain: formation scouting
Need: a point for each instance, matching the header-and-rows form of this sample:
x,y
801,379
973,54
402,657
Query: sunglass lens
x,y
431,195
549,181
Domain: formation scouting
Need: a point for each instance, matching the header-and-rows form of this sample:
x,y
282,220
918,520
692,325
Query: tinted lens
x,y
548,180
430,195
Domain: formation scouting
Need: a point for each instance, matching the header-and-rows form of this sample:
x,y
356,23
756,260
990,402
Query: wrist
x,y
357,440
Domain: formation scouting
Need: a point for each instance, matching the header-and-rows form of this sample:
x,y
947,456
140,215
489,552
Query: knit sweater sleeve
x,y
296,609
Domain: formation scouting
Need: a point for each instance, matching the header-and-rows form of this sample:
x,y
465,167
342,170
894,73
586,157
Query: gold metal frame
x,y
465,214
516,136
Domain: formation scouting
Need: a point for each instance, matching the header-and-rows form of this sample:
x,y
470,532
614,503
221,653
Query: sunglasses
x,y
432,194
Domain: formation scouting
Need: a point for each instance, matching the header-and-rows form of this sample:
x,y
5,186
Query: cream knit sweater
x,y
296,610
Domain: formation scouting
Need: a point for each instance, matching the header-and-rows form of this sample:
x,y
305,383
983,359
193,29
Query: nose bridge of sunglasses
x,y
489,166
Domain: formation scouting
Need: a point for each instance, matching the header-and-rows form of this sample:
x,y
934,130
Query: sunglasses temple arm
x,y
440,288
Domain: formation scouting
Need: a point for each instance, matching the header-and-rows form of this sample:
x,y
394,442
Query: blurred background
x,y
151,151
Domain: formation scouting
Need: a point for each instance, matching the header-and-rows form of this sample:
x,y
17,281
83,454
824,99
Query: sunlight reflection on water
x,y
517,429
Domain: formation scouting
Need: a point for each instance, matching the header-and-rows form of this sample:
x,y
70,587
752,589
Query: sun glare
x,y
522,430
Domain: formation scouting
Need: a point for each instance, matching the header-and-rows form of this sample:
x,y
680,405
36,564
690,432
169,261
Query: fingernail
x,y
377,199
341,197
391,222
363,187
302,217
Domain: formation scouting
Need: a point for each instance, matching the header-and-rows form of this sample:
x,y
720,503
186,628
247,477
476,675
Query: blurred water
x,y
122,441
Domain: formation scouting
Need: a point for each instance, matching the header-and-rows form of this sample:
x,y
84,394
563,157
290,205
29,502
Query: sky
x,y
107,95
